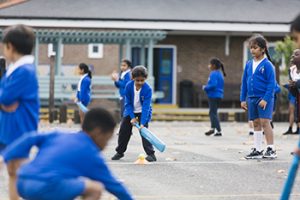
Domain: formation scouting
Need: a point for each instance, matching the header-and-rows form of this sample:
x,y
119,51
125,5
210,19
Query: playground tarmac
x,y
195,166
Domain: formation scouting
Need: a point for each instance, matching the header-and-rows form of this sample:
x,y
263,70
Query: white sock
x,y
271,146
251,130
258,137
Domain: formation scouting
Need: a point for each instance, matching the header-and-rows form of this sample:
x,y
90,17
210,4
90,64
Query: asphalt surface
x,y
195,166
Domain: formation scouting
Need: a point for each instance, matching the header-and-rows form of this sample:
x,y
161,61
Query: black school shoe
x,y
251,133
151,158
218,134
210,132
288,132
117,156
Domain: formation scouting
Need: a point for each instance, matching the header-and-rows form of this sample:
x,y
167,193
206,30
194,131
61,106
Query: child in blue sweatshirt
x,y
67,165
84,87
258,87
138,97
215,92
19,97
122,80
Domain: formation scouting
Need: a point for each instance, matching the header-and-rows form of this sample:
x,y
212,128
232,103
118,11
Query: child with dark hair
x,y
258,87
58,172
138,96
84,87
121,81
215,92
295,30
19,99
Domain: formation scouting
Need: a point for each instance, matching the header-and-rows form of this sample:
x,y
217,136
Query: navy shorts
x,y
58,189
292,99
256,112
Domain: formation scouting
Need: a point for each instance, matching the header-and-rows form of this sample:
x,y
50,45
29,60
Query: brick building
x,y
196,30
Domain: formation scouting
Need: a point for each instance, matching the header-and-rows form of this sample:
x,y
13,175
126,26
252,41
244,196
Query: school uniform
x,y
19,84
56,171
84,90
125,77
258,83
137,104
294,76
215,92
277,90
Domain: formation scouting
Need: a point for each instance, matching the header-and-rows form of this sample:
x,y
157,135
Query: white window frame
x,y
51,51
98,54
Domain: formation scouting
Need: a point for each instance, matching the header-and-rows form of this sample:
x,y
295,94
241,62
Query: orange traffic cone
x,y
141,160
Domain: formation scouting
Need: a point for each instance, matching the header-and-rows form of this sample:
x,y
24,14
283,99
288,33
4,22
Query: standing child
x,y
258,86
67,165
292,102
215,92
294,84
84,87
122,80
138,97
295,30
19,97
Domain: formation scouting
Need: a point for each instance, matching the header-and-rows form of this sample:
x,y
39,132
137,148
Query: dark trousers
x,y
125,134
213,113
122,106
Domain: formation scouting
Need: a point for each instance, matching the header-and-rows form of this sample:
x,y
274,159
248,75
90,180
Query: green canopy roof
x,y
92,36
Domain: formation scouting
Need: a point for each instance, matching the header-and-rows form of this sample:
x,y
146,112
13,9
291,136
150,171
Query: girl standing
x,y
84,87
215,92
258,87
121,81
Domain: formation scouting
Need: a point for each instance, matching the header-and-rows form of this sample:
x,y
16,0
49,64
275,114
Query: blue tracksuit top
x,y
145,99
215,85
63,156
84,95
21,86
259,84
121,83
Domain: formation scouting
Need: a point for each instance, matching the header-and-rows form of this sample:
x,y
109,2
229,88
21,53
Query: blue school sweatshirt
x,y
21,86
121,83
64,156
215,85
145,99
84,95
261,83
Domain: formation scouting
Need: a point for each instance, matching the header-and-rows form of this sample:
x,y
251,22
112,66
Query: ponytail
x,y
90,74
268,55
223,70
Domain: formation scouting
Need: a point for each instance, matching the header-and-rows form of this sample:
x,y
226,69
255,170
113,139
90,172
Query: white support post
x,y
128,49
58,57
227,45
36,52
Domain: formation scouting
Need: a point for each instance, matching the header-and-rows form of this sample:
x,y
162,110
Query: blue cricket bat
x,y
294,167
152,138
291,178
82,107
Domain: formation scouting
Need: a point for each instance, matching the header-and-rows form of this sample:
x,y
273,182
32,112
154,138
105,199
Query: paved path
x,y
198,167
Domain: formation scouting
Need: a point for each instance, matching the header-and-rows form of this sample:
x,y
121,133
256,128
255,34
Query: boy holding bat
x,y
138,97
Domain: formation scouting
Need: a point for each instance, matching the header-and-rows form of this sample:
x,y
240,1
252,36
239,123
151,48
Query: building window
x,y
51,51
95,51
271,48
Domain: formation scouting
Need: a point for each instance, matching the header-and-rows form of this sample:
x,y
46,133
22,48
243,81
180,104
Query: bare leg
x,y
93,190
257,125
81,115
291,114
268,131
12,168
